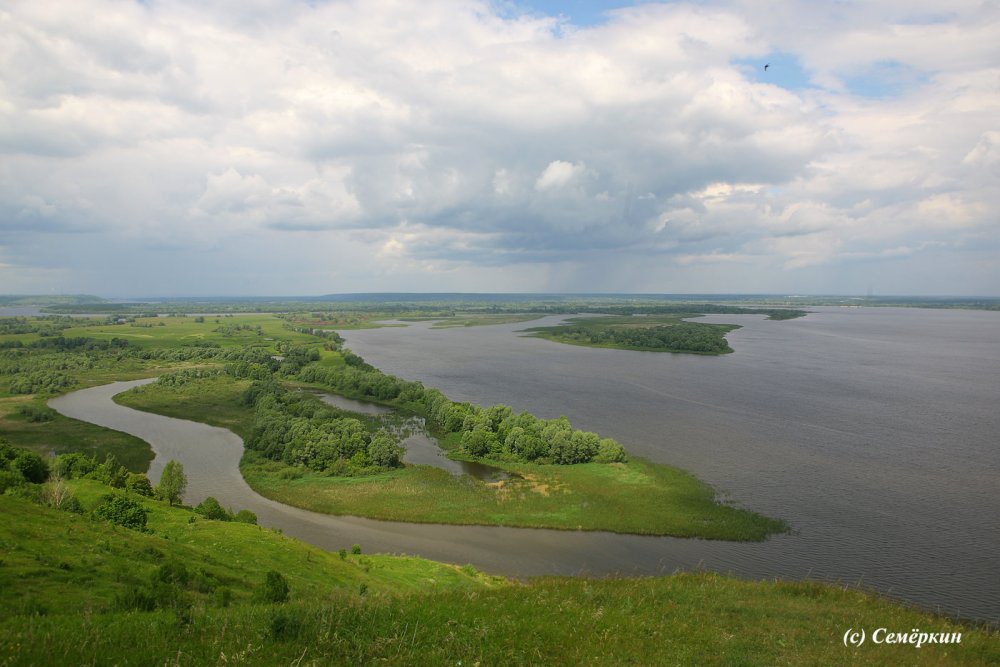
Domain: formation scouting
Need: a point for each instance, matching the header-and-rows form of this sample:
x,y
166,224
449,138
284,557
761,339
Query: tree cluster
x,y
494,432
298,429
497,433
683,337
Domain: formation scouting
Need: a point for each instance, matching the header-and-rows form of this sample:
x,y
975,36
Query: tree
x,y
136,482
173,482
383,451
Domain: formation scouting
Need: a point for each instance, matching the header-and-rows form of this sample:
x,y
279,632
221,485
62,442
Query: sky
x,y
294,147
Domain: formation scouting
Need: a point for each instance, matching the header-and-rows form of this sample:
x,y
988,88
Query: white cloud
x,y
448,141
559,174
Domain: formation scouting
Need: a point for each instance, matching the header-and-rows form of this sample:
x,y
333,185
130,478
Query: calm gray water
x,y
874,432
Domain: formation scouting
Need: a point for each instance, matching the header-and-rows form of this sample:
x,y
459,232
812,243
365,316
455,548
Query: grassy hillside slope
x,y
61,574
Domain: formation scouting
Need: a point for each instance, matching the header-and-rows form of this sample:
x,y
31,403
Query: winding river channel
x,y
876,442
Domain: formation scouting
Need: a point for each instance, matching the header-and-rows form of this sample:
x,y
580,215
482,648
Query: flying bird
x,y
766,66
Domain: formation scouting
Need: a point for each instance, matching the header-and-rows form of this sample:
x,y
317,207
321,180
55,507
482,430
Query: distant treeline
x,y
442,308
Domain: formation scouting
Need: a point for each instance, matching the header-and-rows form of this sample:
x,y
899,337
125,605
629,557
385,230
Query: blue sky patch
x,y
783,70
885,79
578,12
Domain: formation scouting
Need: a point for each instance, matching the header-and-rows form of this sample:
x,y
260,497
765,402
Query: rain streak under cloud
x,y
276,148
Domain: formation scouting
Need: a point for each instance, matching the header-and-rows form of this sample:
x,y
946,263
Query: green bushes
x,y
211,509
31,466
122,510
19,466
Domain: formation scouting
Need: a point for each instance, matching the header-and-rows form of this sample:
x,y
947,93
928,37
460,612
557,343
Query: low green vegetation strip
x,y
464,320
637,497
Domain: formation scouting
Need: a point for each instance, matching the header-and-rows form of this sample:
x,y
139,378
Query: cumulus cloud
x,y
435,144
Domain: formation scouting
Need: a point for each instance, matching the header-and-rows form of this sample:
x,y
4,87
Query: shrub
x,y
383,451
246,516
610,451
31,466
123,511
70,466
138,483
275,588
10,479
211,509
356,549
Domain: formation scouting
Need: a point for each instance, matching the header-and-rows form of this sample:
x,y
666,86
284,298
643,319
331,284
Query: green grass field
x,y
61,435
56,562
169,332
61,575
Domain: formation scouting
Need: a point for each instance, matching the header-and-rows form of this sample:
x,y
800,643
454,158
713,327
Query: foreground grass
x,y
690,619
55,562
637,497
61,576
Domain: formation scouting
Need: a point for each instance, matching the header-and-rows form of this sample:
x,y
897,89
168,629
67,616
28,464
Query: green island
x,y
92,556
645,333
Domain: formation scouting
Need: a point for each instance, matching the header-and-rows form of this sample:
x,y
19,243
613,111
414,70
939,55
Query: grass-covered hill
x,y
68,587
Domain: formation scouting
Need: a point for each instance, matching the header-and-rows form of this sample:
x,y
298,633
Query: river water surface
x,y
874,432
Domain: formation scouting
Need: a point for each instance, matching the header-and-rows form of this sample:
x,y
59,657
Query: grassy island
x,y
628,497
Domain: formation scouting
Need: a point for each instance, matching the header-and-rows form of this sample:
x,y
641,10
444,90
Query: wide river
x,y
874,432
